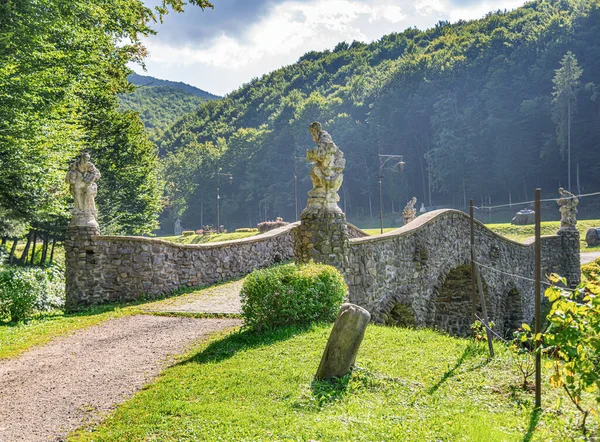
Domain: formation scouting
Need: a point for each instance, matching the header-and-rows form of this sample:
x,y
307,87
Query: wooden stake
x,y
486,321
473,292
538,298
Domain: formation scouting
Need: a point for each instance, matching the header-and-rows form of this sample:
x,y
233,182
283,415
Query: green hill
x,y
468,104
161,102
146,80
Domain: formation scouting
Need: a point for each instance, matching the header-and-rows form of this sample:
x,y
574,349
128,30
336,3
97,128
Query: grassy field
x,y
211,237
521,233
417,385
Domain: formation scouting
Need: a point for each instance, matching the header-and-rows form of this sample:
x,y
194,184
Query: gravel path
x,y
223,298
49,391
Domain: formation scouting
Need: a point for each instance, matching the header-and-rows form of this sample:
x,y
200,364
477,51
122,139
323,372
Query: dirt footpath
x,y
49,391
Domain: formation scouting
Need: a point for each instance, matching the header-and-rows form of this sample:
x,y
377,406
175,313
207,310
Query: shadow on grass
x,y
242,340
536,414
471,350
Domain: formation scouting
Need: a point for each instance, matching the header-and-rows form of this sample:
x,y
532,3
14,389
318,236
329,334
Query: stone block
x,y
344,341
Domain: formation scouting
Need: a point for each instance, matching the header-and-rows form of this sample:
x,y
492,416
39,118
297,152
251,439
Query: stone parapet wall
x,y
407,268
124,268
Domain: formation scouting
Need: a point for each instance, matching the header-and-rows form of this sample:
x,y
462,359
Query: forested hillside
x,y
472,106
146,80
160,106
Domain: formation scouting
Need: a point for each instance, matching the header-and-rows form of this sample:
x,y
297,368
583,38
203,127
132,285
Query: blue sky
x,y
219,50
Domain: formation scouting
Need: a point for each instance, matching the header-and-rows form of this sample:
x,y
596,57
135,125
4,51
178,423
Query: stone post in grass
x,y
344,341
79,253
322,235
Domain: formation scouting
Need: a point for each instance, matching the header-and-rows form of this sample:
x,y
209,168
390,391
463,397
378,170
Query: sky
x,y
220,49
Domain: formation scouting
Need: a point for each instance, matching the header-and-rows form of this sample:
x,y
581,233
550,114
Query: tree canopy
x,y
62,64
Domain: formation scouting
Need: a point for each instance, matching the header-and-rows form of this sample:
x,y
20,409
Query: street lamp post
x,y
230,178
382,160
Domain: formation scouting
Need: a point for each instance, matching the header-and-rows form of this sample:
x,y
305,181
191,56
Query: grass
x,y
211,237
521,233
249,387
378,231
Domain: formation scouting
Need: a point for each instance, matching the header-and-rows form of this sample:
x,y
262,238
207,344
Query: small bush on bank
x,y
292,295
246,230
187,233
270,225
24,291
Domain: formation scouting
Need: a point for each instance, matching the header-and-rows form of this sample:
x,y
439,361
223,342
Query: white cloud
x,y
289,26
292,28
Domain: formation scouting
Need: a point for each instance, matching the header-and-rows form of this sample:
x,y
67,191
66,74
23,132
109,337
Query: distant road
x,y
589,257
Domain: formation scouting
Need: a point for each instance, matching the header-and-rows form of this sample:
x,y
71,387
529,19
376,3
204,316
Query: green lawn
x,y
521,233
416,385
211,237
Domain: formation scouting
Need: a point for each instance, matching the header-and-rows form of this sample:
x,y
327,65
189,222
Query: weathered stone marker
x,y
344,342
323,235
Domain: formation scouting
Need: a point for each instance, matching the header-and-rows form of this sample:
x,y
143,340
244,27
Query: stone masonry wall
x,y
123,268
405,270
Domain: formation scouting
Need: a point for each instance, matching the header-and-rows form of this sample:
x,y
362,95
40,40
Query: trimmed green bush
x,y
24,291
187,233
292,295
246,230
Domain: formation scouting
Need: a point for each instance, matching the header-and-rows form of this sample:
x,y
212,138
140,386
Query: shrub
x,y
292,295
246,230
187,232
26,290
270,225
573,338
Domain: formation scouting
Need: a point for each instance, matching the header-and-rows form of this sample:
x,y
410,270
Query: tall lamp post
x,y
230,178
382,160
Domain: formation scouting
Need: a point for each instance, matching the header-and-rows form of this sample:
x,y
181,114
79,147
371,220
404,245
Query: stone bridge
x,y
420,274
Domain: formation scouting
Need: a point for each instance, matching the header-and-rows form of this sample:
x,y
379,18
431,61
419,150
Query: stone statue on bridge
x,y
410,213
81,177
568,210
326,174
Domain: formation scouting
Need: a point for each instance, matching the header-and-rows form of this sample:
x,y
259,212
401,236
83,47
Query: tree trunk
x,y
35,237
569,143
45,241
11,256
25,254
52,250
4,240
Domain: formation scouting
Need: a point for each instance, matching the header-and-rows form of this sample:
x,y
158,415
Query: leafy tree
x,y
566,87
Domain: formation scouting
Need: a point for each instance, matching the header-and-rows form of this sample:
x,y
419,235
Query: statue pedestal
x,y
571,249
79,264
323,237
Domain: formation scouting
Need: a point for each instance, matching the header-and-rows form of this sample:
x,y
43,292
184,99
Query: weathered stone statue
x,y
409,213
568,210
81,177
177,229
322,235
326,174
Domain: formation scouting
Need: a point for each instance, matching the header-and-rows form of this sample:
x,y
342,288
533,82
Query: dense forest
x,y
161,102
476,108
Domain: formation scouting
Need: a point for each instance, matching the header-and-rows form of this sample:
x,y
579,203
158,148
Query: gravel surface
x,y
49,391
224,298
587,257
